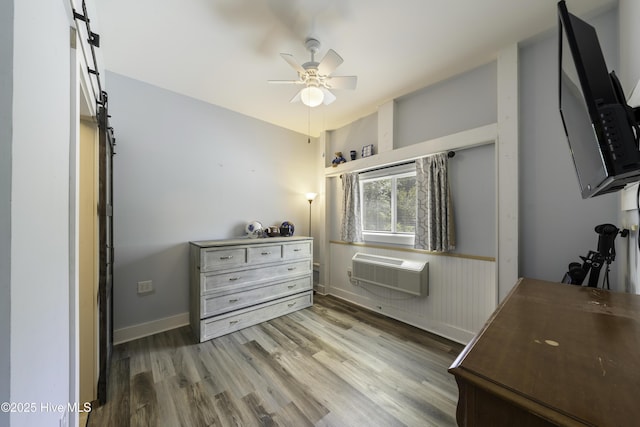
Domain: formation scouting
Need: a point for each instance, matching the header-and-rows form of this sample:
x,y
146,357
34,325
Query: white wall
x,y
6,119
629,16
187,170
39,344
462,292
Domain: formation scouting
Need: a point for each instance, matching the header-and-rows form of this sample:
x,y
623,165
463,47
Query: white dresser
x,y
238,283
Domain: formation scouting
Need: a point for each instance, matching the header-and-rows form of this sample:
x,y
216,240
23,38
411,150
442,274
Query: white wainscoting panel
x,y
462,292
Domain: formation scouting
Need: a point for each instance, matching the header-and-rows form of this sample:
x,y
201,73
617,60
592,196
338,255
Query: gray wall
x,y
628,14
187,170
556,225
459,103
6,115
472,175
354,136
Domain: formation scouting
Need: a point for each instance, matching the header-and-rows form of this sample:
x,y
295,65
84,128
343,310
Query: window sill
x,y
394,239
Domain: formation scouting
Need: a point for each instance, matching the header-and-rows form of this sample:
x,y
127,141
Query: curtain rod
x,y
450,154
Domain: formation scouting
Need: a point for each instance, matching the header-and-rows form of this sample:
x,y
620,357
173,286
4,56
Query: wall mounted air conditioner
x,y
402,275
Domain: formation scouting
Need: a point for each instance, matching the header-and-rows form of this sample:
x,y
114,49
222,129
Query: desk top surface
x,y
565,349
248,241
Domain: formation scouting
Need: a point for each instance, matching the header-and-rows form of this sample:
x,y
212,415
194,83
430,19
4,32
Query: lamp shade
x,y
311,96
310,196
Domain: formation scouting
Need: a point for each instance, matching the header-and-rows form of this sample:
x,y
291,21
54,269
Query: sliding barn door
x,y
106,143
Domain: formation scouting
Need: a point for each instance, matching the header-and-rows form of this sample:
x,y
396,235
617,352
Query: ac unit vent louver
x,y
402,275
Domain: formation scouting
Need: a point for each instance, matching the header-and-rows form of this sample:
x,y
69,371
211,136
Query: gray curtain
x,y
351,230
434,219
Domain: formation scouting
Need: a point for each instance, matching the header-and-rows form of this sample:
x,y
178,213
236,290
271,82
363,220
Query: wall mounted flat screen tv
x,y
601,128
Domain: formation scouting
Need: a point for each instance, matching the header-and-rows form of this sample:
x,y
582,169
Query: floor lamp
x,y
310,198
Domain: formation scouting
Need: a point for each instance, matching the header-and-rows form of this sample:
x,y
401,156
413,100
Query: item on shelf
x,y
367,150
352,153
286,229
254,229
339,159
272,231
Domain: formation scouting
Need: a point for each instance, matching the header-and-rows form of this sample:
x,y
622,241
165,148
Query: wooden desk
x,y
553,354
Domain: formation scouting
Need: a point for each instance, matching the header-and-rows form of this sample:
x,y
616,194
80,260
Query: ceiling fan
x,y
316,76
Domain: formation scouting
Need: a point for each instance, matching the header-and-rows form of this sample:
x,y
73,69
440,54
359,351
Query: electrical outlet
x,y
145,287
349,272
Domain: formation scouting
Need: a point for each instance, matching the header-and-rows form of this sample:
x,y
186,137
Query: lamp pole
x,y
310,198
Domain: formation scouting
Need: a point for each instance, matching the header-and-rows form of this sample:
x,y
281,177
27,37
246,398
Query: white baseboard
x,y
146,329
449,332
320,288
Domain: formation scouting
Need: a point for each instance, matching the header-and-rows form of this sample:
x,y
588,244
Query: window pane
x,y
376,201
406,205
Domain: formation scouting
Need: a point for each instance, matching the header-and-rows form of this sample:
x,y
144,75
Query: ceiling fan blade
x,y
293,82
294,64
297,97
342,82
329,63
328,96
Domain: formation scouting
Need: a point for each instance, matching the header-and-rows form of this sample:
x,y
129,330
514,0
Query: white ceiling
x,y
224,51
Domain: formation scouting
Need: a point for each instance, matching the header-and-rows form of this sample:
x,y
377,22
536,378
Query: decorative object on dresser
x,y
254,229
238,283
553,354
286,229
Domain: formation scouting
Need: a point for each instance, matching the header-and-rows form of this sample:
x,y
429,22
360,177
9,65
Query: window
x,y
389,204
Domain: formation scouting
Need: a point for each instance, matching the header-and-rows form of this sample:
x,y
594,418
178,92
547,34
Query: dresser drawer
x,y
212,305
296,250
222,258
213,282
231,322
264,254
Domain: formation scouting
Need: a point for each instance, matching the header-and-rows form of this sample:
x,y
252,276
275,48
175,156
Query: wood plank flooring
x,y
333,364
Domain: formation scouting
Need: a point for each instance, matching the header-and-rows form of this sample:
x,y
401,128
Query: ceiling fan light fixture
x,y
311,96
316,76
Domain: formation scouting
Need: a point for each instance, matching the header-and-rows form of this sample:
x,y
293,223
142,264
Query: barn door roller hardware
x,y
94,39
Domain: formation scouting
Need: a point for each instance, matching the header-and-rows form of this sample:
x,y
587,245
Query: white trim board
x,y
482,135
507,225
146,329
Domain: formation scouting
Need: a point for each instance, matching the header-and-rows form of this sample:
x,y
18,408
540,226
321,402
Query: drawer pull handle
x,y
233,279
292,286
266,253
291,268
297,250
291,304
226,257
233,322
233,300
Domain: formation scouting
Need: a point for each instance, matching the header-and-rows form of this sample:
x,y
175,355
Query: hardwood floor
x,y
334,364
